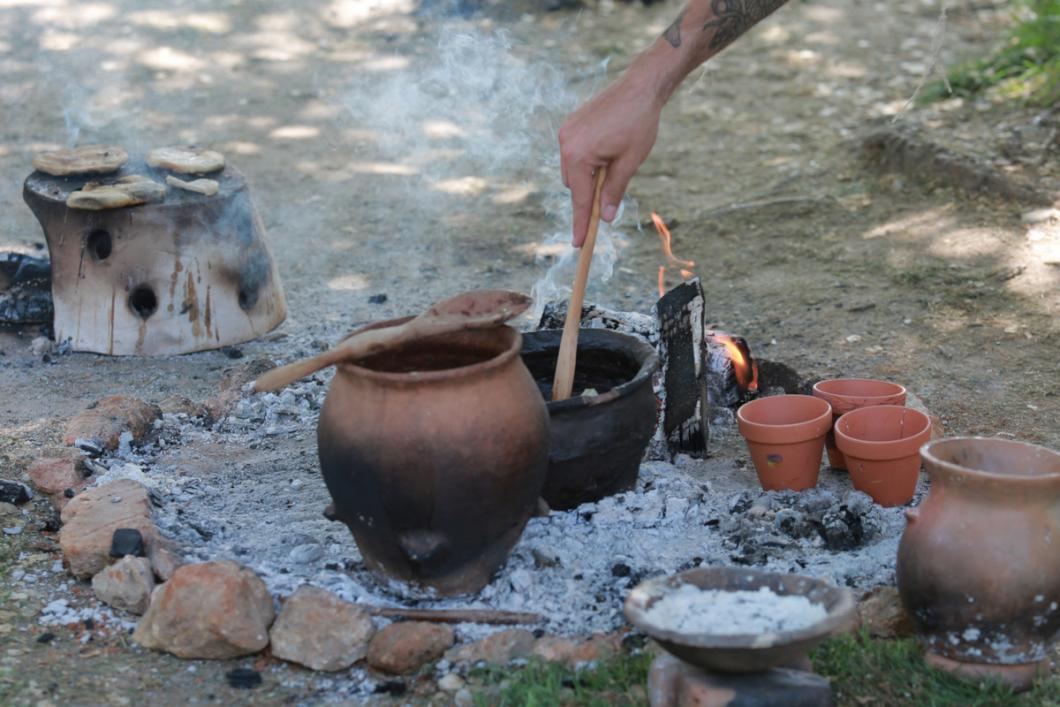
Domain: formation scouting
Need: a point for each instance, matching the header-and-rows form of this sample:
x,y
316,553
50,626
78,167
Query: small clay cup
x,y
785,435
881,445
846,394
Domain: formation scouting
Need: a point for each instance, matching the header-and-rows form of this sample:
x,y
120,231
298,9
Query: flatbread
x,y
186,160
90,159
206,187
130,190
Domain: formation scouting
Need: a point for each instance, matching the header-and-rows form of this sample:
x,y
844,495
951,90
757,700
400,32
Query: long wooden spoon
x,y
478,309
563,383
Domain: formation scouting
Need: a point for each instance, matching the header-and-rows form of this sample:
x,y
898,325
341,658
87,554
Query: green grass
x,y
875,672
619,681
863,670
1027,67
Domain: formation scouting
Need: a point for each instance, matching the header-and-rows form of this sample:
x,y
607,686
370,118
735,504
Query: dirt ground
x,y
820,258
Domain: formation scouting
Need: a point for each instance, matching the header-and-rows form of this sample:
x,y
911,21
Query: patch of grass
x,y
863,670
1026,67
620,681
875,672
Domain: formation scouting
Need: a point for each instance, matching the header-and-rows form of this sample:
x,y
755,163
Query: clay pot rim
x,y
822,392
439,376
630,344
877,446
927,453
816,426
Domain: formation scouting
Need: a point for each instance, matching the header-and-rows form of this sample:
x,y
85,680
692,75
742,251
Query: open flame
x,y
746,370
682,266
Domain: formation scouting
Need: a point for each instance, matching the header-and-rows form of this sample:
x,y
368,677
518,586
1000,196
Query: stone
x,y
673,683
304,554
52,476
106,420
214,610
127,541
554,649
243,678
463,698
90,519
317,629
230,389
178,404
496,649
880,612
126,585
557,649
164,557
405,647
9,513
14,493
451,682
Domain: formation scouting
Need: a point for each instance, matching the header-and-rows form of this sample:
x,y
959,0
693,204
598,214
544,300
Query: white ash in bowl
x,y
688,609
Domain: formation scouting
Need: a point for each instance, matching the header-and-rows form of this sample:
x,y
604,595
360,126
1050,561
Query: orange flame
x,y
746,372
683,266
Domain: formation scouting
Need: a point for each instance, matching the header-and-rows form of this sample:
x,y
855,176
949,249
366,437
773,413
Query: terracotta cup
x,y
846,394
881,445
785,435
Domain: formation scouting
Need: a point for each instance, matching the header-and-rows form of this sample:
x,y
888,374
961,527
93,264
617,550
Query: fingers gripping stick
x,y
568,347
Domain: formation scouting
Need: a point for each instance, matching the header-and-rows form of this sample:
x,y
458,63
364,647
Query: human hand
x,y
616,128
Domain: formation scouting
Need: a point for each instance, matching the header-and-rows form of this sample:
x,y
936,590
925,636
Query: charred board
x,y
680,322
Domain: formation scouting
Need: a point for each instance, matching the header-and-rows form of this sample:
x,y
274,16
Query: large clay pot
x,y
881,445
979,562
598,441
785,436
435,454
846,394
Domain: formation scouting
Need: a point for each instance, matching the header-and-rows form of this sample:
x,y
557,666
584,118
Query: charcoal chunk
x,y
127,541
14,492
243,678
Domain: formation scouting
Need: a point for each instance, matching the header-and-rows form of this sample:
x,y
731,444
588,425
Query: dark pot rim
x,y
638,349
439,376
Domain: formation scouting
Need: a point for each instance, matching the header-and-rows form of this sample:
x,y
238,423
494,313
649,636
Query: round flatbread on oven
x,y
186,160
90,159
131,190
206,187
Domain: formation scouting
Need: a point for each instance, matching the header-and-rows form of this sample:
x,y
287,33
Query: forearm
x,y
703,29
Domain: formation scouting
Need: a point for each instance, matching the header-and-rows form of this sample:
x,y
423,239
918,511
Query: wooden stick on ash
x,y
457,616
563,383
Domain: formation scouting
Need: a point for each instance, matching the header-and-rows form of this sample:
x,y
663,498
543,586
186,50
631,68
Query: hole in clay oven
x,y
99,244
143,301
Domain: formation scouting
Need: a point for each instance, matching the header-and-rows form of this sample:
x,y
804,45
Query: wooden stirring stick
x,y
568,345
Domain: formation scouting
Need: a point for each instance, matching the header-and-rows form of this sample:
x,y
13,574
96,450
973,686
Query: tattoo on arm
x,y
732,18
673,32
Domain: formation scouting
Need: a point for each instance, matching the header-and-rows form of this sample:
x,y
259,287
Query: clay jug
x,y
435,455
979,562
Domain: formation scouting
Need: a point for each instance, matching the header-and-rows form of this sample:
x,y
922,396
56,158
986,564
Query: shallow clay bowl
x,y
742,653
